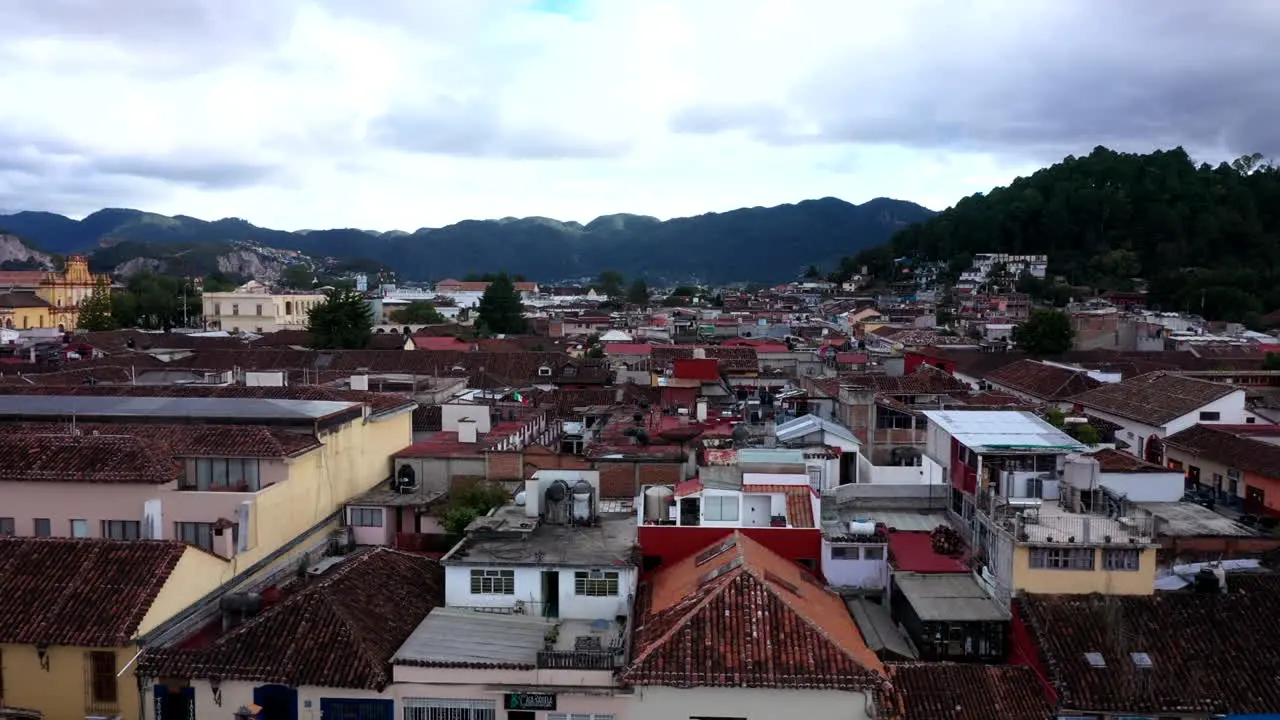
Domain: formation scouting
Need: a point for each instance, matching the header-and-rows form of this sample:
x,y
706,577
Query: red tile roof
x,y
799,501
84,593
339,631
737,358
1155,398
964,691
913,552
926,380
1229,446
190,440
1122,462
1041,380
1210,653
627,348
120,459
432,342
747,618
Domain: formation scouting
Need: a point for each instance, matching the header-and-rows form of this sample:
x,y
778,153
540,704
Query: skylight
x,y
1095,659
1141,659
727,567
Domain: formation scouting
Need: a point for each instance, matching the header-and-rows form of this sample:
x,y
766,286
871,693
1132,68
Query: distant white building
x,y
1036,265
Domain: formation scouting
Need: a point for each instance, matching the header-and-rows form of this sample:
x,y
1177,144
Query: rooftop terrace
x,y
509,537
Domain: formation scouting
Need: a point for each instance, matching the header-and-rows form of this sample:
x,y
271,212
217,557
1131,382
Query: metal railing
x,y
577,660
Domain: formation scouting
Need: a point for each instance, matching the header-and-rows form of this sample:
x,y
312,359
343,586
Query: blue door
x,y
339,709
278,702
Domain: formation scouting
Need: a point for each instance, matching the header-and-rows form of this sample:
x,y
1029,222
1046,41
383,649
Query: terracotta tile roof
x,y
747,618
1231,447
1040,380
85,593
627,348
120,459
21,278
1122,462
428,418
964,691
799,502
737,358
1155,398
1210,653
435,342
339,631
379,403
926,380
21,300
196,440
988,400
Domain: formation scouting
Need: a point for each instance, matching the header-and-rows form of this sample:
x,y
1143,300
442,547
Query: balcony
x,y
583,645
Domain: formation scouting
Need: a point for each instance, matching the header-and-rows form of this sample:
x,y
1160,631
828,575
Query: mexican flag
x,y
521,398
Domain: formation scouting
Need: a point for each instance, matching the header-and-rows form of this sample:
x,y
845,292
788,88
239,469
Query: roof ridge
x,y
695,606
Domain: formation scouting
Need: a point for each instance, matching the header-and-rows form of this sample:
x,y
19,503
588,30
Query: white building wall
x,y
528,588
868,573
742,703
1145,487
1230,409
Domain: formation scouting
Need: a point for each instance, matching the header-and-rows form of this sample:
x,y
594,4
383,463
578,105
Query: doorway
x,y
278,702
521,715
550,593
175,703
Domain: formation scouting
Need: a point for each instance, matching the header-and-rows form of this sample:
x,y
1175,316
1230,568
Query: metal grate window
x,y
595,583
1127,560
101,693
493,582
433,709
1062,558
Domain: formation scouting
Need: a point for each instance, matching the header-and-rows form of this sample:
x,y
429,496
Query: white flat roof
x,y
996,430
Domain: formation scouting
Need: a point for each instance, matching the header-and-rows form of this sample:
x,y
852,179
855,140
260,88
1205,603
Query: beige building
x,y
253,308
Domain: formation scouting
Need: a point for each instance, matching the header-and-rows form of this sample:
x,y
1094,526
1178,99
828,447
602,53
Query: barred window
x,y
433,709
595,583
493,582
1126,560
1062,558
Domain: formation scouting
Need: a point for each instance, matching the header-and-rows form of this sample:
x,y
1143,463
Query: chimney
x,y
360,382
466,430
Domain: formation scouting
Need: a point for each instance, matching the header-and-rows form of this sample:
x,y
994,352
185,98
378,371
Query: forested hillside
x,y
1206,238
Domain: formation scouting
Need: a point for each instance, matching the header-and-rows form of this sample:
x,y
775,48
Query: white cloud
x,y
409,113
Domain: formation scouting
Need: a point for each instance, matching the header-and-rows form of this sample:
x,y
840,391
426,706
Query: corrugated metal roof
x,y
994,430
807,424
948,597
204,408
766,456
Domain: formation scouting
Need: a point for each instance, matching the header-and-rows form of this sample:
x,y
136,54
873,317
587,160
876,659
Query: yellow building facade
x,y
1107,573
24,311
76,682
61,293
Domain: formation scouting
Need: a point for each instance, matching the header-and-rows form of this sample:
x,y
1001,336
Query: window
x,y
1210,416
815,478
235,309
844,553
7,527
217,308
234,474
43,528
259,309
893,420
432,709
723,508
288,307
121,529
1127,560
873,553
79,528
544,371
595,583
102,688
493,582
1062,558
192,533
366,517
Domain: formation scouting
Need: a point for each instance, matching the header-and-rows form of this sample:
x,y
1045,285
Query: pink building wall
x,y
62,502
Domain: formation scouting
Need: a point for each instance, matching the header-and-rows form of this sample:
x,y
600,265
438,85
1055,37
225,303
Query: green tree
x,y
812,273
638,293
298,276
685,291
152,301
1086,433
218,282
1271,361
470,502
95,310
418,312
610,283
1046,332
343,321
500,308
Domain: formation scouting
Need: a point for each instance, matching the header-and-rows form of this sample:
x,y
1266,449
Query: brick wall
x,y
504,465
624,479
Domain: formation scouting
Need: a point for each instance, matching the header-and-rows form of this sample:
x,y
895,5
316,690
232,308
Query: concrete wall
x,y
866,572
661,703
528,588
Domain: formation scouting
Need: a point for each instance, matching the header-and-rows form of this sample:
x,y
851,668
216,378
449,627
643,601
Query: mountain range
x,y
759,243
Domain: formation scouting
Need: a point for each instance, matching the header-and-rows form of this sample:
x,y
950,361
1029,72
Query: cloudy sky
x,y
388,114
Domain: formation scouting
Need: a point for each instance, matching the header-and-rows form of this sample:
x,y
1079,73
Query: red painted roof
x,y
627,348
85,593
913,552
432,342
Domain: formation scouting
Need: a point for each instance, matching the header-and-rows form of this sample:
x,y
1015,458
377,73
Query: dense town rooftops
x,y
966,691
1155,398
